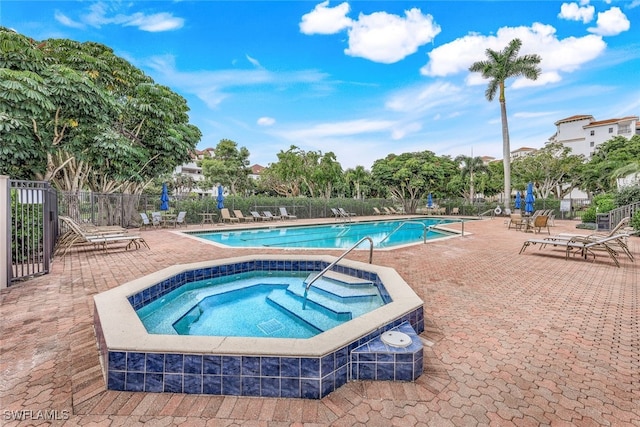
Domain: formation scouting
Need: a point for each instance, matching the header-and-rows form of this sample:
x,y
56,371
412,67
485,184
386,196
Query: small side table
x,y
207,218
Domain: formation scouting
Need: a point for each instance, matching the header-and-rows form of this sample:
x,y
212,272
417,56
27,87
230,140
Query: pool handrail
x,y
330,266
424,234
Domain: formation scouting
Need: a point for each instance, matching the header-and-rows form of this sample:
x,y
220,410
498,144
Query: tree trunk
x,y
506,150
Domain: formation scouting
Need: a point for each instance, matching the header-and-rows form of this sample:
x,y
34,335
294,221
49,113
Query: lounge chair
x,y
257,217
145,221
285,215
387,210
180,219
376,211
226,216
516,221
156,219
238,213
76,235
345,213
268,214
584,246
539,222
455,211
615,230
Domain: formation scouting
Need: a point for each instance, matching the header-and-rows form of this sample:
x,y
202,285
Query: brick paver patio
x,y
510,339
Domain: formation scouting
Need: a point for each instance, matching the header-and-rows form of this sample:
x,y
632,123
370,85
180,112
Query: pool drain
x,y
270,327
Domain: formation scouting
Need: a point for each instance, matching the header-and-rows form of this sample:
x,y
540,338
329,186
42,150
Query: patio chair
x,y
540,222
455,211
226,216
257,217
76,235
584,246
180,219
345,213
516,221
145,221
387,210
285,215
238,213
156,219
268,214
376,211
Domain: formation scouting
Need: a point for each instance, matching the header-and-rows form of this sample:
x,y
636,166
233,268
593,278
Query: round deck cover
x,y
396,339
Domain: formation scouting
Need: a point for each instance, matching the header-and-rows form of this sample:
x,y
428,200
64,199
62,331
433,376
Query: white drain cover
x,y
396,339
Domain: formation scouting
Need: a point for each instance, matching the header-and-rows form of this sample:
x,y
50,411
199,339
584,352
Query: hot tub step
x,y
319,317
341,288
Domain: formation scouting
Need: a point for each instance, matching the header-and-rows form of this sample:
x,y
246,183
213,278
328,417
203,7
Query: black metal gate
x,y
32,229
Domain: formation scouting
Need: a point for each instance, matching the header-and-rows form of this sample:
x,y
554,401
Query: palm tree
x,y
357,176
469,166
498,68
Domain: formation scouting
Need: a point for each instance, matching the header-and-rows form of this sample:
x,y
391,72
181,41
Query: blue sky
x,y
363,78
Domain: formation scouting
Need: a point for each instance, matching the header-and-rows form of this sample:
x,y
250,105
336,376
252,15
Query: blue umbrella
x,y
220,197
529,199
518,200
164,198
429,201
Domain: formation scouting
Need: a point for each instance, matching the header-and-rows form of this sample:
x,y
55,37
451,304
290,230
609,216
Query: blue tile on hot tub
x,y
270,367
384,357
404,371
173,363
193,383
116,380
192,364
366,371
328,364
385,371
290,367
404,357
327,384
342,357
250,386
212,364
134,381
173,383
117,361
250,366
309,367
231,365
155,362
153,383
270,386
135,362
212,384
310,388
290,387
341,376
231,385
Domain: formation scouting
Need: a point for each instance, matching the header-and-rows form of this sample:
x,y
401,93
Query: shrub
x,y
604,203
628,195
589,215
635,221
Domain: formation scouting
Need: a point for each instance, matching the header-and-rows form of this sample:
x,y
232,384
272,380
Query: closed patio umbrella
x,y
429,201
164,198
518,203
220,197
529,199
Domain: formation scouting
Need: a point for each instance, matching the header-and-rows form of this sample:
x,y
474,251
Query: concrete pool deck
x,y
511,339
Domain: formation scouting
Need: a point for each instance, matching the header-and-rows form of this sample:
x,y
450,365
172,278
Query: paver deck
x,y
511,339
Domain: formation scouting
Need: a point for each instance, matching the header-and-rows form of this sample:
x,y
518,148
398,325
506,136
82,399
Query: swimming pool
x,y
385,234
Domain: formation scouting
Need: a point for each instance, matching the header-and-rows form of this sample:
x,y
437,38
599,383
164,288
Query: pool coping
x,y
122,330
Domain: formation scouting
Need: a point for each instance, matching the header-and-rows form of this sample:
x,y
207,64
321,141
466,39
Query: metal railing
x,y
330,266
424,234
616,215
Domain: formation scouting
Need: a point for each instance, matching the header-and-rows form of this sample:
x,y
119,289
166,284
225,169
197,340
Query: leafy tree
x,y
229,166
552,169
79,116
324,175
285,177
469,168
358,177
498,68
610,160
411,176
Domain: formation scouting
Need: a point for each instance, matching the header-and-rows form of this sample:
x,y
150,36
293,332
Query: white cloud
x,y
336,129
106,14
266,121
611,23
426,97
212,87
66,21
574,12
254,61
558,55
326,20
387,38
379,37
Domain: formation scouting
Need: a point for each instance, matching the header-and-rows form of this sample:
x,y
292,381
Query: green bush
x,y
589,215
628,195
604,203
635,221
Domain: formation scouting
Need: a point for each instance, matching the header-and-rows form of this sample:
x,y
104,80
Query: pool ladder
x,y
330,266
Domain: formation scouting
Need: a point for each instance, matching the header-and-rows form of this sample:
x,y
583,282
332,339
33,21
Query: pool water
x,y
260,305
385,234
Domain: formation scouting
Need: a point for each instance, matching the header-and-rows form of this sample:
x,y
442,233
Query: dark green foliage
x,y
628,195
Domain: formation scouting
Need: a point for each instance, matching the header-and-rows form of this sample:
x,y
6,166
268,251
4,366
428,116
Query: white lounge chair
x,y
285,215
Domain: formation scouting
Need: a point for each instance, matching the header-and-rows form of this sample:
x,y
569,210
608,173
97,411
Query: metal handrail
x,y
330,266
424,234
